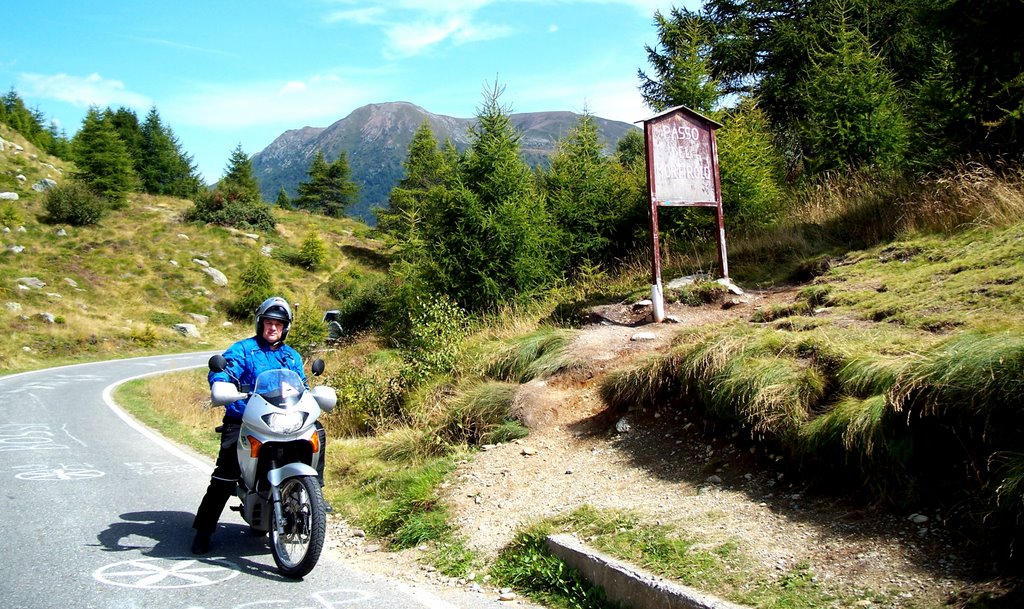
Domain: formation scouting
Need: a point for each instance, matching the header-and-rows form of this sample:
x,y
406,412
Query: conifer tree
x,y
582,197
30,123
255,286
486,230
313,252
126,124
853,114
682,69
330,189
164,168
424,167
283,201
102,159
235,201
239,177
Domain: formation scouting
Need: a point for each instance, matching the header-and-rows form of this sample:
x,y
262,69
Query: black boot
x,y
201,543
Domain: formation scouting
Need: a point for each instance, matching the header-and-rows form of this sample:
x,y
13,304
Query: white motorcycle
x,y
278,452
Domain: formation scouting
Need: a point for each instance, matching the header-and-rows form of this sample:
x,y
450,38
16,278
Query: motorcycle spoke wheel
x,y
297,549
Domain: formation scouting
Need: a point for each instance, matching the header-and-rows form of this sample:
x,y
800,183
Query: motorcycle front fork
x,y
275,498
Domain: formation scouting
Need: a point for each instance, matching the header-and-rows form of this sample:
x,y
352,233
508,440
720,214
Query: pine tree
x,y
126,124
235,201
30,123
330,189
255,286
165,169
102,159
424,168
238,176
313,252
582,197
854,116
283,201
486,231
682,69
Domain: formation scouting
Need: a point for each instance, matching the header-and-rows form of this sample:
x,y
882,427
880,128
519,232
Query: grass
x,y
720,566
899,363
176,405
133,274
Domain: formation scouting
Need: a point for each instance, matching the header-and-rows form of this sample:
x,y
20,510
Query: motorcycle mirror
x,y
218,363
318,367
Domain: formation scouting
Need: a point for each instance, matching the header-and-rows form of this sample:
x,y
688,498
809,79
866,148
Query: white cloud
x,y
614,99
294,86
92,90
412,38
314,101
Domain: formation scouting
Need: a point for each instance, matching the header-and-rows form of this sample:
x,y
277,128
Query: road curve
x,y
99,510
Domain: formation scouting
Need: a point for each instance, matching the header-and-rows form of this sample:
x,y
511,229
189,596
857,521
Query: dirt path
x,y
668,469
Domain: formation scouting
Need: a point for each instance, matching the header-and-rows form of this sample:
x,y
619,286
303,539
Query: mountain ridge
x,y
376,139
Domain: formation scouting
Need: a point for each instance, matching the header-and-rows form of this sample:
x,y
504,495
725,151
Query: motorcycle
x,y
278,453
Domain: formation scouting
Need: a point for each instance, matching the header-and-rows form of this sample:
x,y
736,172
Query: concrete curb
x,y
625,584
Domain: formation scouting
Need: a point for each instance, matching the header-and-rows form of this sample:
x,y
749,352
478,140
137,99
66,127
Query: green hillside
x,y
117,288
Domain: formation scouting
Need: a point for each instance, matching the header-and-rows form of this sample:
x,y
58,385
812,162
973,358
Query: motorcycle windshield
x,y
282,388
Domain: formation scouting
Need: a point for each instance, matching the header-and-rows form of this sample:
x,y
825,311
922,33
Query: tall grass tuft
x,y
479,415
970,194
971,373
853,425
536,355
1009,493
869,374
641,384
771,394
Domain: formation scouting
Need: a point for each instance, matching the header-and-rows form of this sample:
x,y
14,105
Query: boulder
x,y
186,330
219,278
44,185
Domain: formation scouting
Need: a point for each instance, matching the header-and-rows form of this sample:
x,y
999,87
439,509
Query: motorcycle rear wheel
x,y
305,526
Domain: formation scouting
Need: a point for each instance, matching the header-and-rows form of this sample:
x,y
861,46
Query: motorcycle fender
x,y
292,470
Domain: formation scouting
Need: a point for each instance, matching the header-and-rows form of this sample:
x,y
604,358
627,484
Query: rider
x,y
246,359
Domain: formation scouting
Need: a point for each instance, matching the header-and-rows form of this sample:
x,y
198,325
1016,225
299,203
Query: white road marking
x,y
108,391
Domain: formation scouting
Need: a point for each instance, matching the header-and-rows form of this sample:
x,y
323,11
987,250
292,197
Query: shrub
x,y
9,215
73,203
308,331
434,336
256,286
230,207
313,253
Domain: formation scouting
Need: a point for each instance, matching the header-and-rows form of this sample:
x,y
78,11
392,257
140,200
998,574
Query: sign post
x,y
682,171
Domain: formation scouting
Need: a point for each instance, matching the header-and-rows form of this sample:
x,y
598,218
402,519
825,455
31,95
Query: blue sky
x,y
228,73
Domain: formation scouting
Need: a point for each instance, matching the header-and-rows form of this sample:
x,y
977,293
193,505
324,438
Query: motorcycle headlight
x,y
285,422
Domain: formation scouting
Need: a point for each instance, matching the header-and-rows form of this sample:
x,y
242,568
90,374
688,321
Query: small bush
x,y
434,339
369,399
231,208
9,215
308,331
313,253
73,203
256,285
144,337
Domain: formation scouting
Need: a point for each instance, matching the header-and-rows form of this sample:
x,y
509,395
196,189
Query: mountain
x,y
376,138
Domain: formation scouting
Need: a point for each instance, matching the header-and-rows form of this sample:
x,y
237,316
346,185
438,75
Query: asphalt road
x,y
98,512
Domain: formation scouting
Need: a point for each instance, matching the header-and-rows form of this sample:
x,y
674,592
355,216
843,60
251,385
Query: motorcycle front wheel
x,y
305,524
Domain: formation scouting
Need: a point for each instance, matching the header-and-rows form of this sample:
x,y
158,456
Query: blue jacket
x,y
246,360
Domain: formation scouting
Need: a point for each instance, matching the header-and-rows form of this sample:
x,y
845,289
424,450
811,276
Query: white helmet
x,y
274,308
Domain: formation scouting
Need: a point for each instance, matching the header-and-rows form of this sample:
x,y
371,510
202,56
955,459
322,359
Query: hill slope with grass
x,y
845,434
118,288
